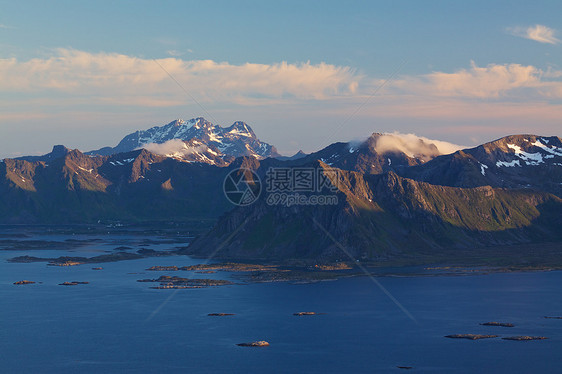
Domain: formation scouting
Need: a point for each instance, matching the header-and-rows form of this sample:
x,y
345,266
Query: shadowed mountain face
x,y
57,152
389,203
235,141
380,216
518,161
364,158
133,186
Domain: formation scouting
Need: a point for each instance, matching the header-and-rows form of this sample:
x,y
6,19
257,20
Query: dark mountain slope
x,y
518,161
388,204
57,152
363,157
136,185
380,216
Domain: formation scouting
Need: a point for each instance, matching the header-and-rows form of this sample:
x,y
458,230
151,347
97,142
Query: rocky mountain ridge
x,y
385,215
199,135
516,161
391,203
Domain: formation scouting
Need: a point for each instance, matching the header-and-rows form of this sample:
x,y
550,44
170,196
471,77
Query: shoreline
x,y
269,272
531,257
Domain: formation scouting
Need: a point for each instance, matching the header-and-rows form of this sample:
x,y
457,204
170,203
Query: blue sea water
x,y
115,324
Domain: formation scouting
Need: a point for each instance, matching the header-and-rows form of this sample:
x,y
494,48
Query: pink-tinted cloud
x,y
104,74
494,81
287,102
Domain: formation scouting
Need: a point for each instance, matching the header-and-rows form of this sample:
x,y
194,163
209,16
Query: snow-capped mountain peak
x,y
234,141
525,150
241,129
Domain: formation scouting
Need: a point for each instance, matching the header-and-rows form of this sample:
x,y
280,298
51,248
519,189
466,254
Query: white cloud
x,y
489,81
174,148
175,53
116,79
112,75
494,81
414,146
100,92
2,26
538,33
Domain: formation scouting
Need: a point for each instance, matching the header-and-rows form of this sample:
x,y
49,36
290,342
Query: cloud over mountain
x,y
414,146
174,147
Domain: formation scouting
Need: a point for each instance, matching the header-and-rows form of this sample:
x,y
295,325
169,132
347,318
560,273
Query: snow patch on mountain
x,y
528,158
483,169
240,132
553,150
508,164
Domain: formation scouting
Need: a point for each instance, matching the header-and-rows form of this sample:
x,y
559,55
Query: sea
x,y
385,324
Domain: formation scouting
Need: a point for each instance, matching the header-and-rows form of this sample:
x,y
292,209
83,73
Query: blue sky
x,y
82,73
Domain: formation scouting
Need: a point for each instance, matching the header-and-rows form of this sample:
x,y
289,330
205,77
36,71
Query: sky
x,y
302,74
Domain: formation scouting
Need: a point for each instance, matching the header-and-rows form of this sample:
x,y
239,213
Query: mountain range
x,y
391,202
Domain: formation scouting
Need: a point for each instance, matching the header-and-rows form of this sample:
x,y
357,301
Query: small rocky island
x,y
65,263
163,268
167,282
73,283
502,324
257,273
260,343
24,282
337,266
220,314
525,338
471,336
73,261
227,266
305,314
